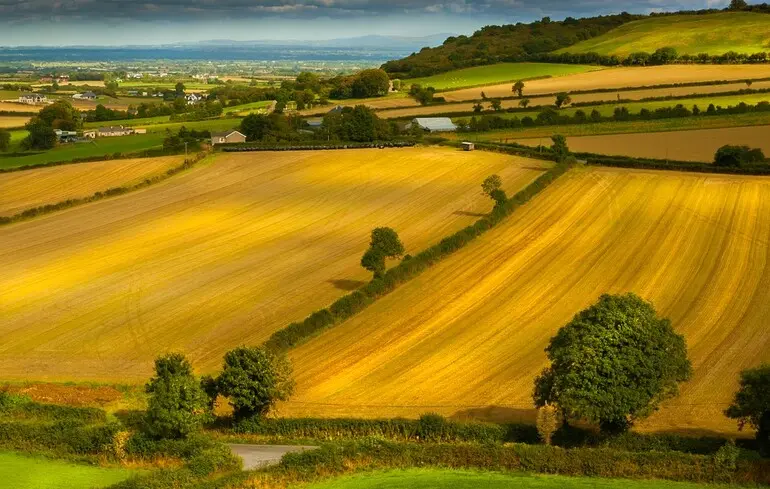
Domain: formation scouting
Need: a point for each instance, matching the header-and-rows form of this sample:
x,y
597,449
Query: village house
x,y
112,131
85,96
193,98
232,136
33,98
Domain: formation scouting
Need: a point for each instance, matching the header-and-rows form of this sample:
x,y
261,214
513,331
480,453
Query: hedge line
x,y
339,459
111,192
316,147
296,333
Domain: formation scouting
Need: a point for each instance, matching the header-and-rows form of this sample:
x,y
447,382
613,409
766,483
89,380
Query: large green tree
x,y
371,83
751,405
559,147
40,135
737,156
613,363
384,244
61,115
254,379
177,405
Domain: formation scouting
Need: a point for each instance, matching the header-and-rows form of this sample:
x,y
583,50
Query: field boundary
x,y
247,147
110,192
351,304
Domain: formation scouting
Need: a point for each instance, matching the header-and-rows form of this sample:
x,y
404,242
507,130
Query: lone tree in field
x,y
518,88
497,105
254,379
613,363
384,244
177,406
751,405
562,99
559,147
524,103
738,5
492,186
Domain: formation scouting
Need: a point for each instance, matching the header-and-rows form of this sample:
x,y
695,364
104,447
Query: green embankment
x,y
497,73
25,472
465,479
715,34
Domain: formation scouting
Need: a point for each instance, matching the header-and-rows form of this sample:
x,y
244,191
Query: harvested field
x,y
14,107
698,145
32,188
11,121
467,337
619,78
580,98
390,102
220,256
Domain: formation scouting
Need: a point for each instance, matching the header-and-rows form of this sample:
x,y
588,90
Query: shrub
x,y
547,422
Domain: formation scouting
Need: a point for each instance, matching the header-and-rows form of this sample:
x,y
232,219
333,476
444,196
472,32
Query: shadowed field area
x,y
220,256
471,332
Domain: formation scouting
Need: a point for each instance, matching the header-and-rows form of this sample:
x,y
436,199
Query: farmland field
x,y
14,107
12,121
612,78
497,73
32,188
698,145
100,147
742,32
24,472
220,256
466,338
469,479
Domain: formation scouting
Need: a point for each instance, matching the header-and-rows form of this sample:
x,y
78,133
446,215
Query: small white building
x,y
33,98
227,137
435,124
193,98
112,131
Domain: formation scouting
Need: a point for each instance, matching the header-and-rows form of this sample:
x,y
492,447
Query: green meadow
x,y
26,472
743,32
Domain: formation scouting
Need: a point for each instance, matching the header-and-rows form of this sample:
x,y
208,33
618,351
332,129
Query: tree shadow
x,y
347,285
469,214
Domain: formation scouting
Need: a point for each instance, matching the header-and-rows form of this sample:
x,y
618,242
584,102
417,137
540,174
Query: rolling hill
x,y
715,34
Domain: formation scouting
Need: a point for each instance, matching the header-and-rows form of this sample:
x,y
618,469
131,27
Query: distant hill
x,y
715,34
494,44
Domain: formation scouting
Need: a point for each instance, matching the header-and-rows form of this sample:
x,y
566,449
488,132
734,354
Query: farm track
x,y
467,337
619,78
220,256
32,188
698,145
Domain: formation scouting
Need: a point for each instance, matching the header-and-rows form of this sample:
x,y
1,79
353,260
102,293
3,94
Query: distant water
x,y
368,55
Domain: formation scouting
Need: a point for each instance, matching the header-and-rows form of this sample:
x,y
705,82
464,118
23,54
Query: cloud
x,y
185,10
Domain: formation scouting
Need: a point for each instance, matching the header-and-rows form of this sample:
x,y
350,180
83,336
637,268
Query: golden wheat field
x,y
697,145
467,337
221,255
14,107
31,188
12,121
618,78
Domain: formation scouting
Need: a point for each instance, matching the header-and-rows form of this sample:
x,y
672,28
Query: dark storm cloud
x,y
182,10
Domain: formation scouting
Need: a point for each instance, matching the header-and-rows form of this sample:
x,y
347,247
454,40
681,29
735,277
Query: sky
x,y
153,22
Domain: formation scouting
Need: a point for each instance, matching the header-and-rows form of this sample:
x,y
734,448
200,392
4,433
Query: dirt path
x,y
258,456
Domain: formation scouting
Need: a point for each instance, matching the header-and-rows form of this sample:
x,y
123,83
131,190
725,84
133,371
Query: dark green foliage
x,y
491,183
499,196
60,115
562,99
374,261
738,156
559,147
177,405
254,379
751,405
5,140
384,244
41,135
518,88
738,5
613,363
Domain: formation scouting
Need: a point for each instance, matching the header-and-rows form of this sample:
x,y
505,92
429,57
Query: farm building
x,y
193,98
85,96
435,124
32,98
65,136
227,137
112,131
468,146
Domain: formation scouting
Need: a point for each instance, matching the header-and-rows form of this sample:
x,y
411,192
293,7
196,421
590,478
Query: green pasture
x,y
494,74
247,108
24,472
161,119
743,32
466,479
99,147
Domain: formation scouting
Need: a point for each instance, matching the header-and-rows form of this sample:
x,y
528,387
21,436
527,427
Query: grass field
x,y
32,188
220,256
497,73
100,147
660,125
698,145
467,479
161,119
467,337
23,472
246,109
619,78
743,32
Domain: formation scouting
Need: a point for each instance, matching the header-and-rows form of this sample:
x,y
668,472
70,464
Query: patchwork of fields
x,y
698,145
26,189
220,256
619,78
466,338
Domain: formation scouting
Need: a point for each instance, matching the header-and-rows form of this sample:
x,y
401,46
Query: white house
x,y
227,137
32,98
193,98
